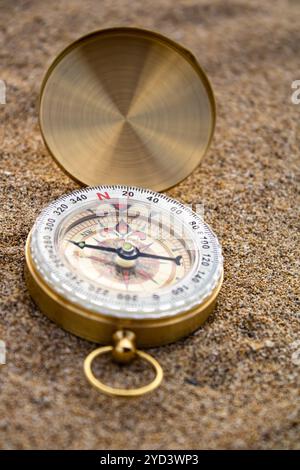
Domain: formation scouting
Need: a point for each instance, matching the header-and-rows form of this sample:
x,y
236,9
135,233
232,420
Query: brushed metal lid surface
x,y
127,106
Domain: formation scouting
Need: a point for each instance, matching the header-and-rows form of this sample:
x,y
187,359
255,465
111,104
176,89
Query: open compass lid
x,y
127,106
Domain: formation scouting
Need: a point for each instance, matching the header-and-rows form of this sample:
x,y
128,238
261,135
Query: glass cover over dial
x,y
126,252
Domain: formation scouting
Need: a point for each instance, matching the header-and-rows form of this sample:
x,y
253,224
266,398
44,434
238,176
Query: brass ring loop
x,y
122,392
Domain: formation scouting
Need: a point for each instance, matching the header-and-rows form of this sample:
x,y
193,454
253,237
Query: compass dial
x,y
113,247
126,252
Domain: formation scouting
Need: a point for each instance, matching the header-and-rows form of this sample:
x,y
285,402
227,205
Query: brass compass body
x,y
116,263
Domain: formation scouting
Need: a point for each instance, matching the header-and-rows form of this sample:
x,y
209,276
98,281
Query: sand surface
x,y
235,382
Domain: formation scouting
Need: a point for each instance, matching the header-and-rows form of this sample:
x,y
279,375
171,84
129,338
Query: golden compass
x,y
118,264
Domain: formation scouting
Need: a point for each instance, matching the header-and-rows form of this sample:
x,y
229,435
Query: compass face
x,y
126,252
